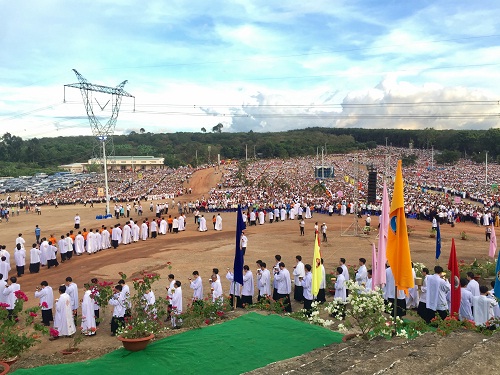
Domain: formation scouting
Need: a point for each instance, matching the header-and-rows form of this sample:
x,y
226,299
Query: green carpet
x,y
239,345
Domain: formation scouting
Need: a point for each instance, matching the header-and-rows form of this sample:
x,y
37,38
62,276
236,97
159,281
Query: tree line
x,y
19,156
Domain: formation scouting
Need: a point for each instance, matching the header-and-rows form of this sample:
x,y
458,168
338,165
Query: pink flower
x,y
207,321
44,305
32,314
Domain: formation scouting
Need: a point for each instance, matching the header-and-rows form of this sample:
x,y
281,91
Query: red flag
x,y
456,293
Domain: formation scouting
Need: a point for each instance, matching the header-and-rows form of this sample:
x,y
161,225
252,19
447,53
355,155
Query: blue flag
x,y
438,242
238,254
497,278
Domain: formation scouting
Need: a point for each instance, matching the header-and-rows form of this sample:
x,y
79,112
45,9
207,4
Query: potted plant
x,y
145,319
73,344
19,332
463,235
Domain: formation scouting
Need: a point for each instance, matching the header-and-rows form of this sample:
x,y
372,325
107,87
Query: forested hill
x,y
18,155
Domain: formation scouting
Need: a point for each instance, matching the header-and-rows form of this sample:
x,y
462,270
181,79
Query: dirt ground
x,y
192,250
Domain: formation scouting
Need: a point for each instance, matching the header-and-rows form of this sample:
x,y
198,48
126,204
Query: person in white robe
x,y
3,285
176,303
119,309
412,298
20,240
20,259
234,290
4,268
126,234
136,231
163,226
5,253
263,281
437,289
9,294
149,303
69,246
361,273
144,231
203,224
153,227
216,288
89,327
63,321
292,213
72,291
197,286
218,222
46,295
44,256
79,244
473,285
308,212
340,287
247,289
116,236
465,310
90,242
35,259
282,214
283,286
105,239
482,307
97,240
175,225
181,221
261,217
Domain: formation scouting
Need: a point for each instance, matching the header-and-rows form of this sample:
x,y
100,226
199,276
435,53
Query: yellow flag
x,y
317,273
398,246
346,178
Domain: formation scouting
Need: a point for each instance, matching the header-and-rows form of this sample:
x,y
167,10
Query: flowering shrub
x,y
478,268
205,312
312,317
364,309
268,304
451,323
144,319
20,332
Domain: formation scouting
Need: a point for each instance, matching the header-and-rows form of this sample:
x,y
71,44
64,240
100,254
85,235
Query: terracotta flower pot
x,y
4,368
10,361
135,345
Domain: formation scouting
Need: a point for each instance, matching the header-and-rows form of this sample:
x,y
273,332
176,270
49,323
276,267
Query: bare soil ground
x,y
192,250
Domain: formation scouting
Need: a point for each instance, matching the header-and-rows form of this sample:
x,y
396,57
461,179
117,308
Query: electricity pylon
x,y
103,133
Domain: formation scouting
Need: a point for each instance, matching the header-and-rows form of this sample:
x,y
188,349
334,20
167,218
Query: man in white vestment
x,y
90,242
116,236
465,311
361,273
263,281
63,321
126,234
144,231
298,275
136,230
261,217
163,226
247,289
203,224
340,287
483,307
216,288
284,285
79,244
437,289
46,295
234,290
72,291
197,286
35,259
473,285
88,318
119,309
176,303
20,240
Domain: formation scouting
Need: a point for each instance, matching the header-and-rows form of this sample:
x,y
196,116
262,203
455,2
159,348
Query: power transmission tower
x,y
103,133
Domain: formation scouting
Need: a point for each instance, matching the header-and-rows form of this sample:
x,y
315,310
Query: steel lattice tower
x,y
103,133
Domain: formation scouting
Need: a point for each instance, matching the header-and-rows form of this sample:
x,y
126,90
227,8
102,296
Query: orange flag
x,y
398,246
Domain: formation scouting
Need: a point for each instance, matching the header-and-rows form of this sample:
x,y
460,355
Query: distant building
x,y
135,163
73,168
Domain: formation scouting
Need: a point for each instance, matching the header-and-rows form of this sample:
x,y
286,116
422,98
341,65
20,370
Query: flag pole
x,y
395,310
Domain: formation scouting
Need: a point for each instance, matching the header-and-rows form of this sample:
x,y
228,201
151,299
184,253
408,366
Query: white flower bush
x,y
364,309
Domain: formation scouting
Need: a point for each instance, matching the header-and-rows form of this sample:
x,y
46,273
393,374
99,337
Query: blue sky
x,y
251,65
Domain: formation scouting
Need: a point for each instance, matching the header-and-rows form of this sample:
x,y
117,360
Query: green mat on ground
x,y
236,346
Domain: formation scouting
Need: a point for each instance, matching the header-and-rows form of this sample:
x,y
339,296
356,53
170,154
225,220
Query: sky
x,y
249,65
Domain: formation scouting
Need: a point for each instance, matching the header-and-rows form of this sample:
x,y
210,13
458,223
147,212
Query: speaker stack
x,y
372,184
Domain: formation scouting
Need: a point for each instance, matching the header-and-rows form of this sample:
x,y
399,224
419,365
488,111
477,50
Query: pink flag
x,y
382,239
493,242
374,264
